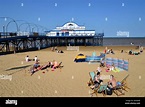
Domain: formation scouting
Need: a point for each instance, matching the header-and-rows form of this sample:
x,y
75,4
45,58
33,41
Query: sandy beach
x,y
71,80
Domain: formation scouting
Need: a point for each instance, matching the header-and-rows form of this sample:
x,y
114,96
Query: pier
x,y
14,43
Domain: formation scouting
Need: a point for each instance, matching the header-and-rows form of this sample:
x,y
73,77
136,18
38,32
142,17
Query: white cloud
x,y
139,18
106,19
22,4
38,18
55,4
5,19
72,19
122,4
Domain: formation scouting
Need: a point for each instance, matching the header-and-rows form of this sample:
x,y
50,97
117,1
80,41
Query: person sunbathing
x,y
113,67
45,66
60,51
110,68
122,51
55,64
108,51
112,52
130,52
36,67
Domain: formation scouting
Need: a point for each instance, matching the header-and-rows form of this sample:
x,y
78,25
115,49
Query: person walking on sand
x,y
105,50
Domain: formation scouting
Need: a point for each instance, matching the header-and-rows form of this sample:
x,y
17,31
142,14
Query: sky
x,y
113,17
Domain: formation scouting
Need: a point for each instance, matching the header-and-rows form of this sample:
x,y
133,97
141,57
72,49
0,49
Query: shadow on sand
x,y
17,68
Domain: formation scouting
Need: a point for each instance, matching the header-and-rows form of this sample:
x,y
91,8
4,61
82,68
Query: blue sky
x,y
108,16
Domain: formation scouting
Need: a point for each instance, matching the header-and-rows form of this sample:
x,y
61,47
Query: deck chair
x,y
100,89
92,74
117,89
91,82
124,84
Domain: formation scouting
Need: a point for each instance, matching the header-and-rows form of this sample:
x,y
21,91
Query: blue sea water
x,y
123,41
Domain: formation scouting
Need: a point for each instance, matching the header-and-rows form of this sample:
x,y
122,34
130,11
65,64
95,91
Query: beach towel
x,y
116,70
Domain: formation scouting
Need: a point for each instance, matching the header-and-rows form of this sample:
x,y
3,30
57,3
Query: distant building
x,y
70,29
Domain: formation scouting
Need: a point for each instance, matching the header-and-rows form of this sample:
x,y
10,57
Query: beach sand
x,y
71,80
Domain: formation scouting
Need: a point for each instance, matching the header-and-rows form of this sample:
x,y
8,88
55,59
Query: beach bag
x,y
109,91
118,83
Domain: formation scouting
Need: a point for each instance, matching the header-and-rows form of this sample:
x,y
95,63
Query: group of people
x,y
27,59
110,67
130,52
133,53
108,51
36,67
112,84
107,67
97,80
136,53
53,49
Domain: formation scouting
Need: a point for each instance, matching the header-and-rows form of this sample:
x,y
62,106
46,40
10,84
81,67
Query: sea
x,y
123,41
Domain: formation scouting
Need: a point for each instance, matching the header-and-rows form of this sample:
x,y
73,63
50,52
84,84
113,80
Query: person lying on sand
x,y
45,66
